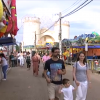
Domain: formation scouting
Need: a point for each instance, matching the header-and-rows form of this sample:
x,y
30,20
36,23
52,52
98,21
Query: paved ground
x,y
22,85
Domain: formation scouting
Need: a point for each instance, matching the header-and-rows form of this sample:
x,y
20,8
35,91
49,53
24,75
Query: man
x,y
56,68
11,57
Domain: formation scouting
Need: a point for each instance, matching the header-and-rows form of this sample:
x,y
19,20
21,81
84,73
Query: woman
x,y
81,76
35,62
21,59
4,65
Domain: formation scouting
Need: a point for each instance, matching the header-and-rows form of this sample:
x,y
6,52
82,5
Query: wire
x,y
69,14
78,8
50,27
75,3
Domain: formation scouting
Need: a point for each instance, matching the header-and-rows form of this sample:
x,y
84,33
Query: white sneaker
x,y
4,79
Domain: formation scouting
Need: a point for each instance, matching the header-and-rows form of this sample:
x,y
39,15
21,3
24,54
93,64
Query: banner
x,y
8,3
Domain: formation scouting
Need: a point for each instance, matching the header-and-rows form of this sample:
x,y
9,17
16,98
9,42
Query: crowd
x,y
54,69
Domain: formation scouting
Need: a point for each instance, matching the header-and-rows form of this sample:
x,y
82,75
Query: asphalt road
x,y
22,85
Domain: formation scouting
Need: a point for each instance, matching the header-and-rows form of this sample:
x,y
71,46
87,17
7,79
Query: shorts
x,y
53,91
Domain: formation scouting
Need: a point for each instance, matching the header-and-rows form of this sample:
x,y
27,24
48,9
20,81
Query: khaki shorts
x,y
53,91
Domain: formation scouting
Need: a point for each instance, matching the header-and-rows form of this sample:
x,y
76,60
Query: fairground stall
x,y
8,25
77,45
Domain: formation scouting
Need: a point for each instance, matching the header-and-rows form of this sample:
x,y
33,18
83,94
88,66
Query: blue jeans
x,y
4,69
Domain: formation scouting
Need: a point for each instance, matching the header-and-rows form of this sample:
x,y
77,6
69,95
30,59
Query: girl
x,y
81,76
4,65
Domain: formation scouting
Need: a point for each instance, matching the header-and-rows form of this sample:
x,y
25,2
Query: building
x,y
31,26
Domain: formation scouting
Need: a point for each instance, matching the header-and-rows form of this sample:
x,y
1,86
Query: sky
x,y
86,20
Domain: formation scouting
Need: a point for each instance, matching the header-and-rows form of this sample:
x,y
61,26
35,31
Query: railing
x,y
94,65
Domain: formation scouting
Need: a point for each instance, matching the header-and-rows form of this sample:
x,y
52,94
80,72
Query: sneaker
x,y
4,79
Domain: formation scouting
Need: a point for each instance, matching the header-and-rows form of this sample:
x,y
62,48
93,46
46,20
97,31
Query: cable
x,y
75,10
75,3
50,27
78,6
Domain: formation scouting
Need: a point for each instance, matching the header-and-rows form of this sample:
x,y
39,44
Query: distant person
x,y
35,62
95,57
67,89
44,59
21,59
11,57
39,59
4,65
28,60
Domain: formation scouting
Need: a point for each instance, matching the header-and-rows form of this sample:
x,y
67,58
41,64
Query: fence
x,y
94,65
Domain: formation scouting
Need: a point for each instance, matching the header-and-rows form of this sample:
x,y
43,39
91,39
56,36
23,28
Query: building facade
x,y
31,26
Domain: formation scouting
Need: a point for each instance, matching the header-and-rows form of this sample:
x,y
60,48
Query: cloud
x,y
85,20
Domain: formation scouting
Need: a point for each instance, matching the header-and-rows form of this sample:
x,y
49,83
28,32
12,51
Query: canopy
x,y
94,46
7,41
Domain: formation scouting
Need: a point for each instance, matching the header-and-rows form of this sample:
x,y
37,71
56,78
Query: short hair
x,y
54,48
65,81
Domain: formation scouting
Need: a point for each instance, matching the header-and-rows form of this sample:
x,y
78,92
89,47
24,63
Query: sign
x,y
8,3
48,45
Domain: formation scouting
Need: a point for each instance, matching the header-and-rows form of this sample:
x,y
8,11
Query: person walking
x,y
81,76
39,58
21,59
67,89
4,65
44,59
35,62
28,60
56,69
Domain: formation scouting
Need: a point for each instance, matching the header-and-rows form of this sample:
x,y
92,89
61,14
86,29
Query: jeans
x,y
4,69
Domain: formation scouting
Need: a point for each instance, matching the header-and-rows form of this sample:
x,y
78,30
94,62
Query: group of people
x,y
54,68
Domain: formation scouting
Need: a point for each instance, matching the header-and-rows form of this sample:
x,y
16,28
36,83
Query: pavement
x,y
22,85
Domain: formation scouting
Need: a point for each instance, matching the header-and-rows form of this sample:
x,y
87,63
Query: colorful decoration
x,y
1,10
14,16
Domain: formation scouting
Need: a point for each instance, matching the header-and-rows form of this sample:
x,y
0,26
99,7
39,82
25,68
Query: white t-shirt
x,y
68,92
4,61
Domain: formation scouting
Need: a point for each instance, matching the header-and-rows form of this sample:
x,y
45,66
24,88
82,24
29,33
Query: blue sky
x,y
84,21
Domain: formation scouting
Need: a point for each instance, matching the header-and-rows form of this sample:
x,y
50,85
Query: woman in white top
x,y
4,65
21,59
81,76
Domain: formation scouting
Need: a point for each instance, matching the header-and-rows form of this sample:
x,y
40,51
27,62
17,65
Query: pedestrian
x,y
67,89
4,65
39,59
11,58
21,59
35,62
28,60
81,76
56,69
44,59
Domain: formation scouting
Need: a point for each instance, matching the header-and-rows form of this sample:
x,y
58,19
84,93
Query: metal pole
x,y
60,34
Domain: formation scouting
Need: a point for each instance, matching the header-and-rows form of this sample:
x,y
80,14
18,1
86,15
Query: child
x,y
67,89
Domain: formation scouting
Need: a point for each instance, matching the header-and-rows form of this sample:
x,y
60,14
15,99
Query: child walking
x,y
67,89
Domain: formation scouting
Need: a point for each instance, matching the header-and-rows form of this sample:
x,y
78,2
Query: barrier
x,y
94,65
